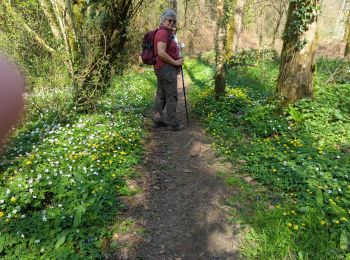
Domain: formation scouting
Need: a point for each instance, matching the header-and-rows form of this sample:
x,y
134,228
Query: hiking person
x,y
166,67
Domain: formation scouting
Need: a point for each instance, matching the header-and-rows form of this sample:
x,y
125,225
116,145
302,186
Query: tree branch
x,y
52,22
29,30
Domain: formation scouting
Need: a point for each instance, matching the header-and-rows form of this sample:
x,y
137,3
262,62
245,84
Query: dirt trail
x,y
181,204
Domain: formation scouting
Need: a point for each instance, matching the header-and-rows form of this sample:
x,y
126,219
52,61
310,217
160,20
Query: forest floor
x,y
179,212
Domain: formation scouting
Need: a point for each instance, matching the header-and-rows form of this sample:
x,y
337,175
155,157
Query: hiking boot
x,y
176,127
159,124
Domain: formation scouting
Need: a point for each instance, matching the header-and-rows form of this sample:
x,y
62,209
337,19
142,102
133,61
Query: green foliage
x,y
208,57
62,175
252,56
300,152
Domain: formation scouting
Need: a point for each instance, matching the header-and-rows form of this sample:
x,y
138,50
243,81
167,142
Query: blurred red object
x,y
12,87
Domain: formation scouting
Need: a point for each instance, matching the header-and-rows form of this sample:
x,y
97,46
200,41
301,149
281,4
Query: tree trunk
x,y
112,42
186,10
220,80
234,28
58,7
295,80
173,5
51,19
261,31
275,31
281,9
347,37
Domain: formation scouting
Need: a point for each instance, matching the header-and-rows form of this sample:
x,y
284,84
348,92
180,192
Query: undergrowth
x,y
299,156
63,173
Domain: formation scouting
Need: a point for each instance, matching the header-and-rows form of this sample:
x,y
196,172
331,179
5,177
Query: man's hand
x,y
179,62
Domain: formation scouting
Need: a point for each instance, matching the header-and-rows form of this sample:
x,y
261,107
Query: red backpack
x,y
148,56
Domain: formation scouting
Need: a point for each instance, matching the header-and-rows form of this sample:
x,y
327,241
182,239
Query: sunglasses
x,y
171,21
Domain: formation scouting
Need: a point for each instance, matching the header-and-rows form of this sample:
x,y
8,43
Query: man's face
x,y
170,22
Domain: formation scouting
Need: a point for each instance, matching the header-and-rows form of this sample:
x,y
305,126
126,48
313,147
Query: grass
x,y
298,156
63,173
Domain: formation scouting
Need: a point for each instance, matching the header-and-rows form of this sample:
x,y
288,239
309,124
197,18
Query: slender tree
x,y
173,5
295,80
234,27
220,40
347,37
281,7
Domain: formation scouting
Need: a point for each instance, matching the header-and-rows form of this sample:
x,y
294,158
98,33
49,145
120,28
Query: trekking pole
x,y
184,89
181,46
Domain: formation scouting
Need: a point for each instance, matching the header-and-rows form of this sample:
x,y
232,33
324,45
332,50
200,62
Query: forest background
x,y
81,61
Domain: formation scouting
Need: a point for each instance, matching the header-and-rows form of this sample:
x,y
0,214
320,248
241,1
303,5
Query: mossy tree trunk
x,y
295,80
234,28
220,80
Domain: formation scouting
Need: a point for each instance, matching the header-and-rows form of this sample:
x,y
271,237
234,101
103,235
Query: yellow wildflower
x,y
13,199
296,227
1,214
322,222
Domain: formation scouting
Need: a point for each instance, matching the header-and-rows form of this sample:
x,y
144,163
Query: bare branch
x,y
29,30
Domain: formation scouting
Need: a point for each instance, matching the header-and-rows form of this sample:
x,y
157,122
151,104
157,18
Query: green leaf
x,y
338,114
300,255
319,197
295,115
78,177
61,238
340,212
344,240
305,209
78,216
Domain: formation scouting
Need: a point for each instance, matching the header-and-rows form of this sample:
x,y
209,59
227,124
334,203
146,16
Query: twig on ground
x,y
183,148
332,75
